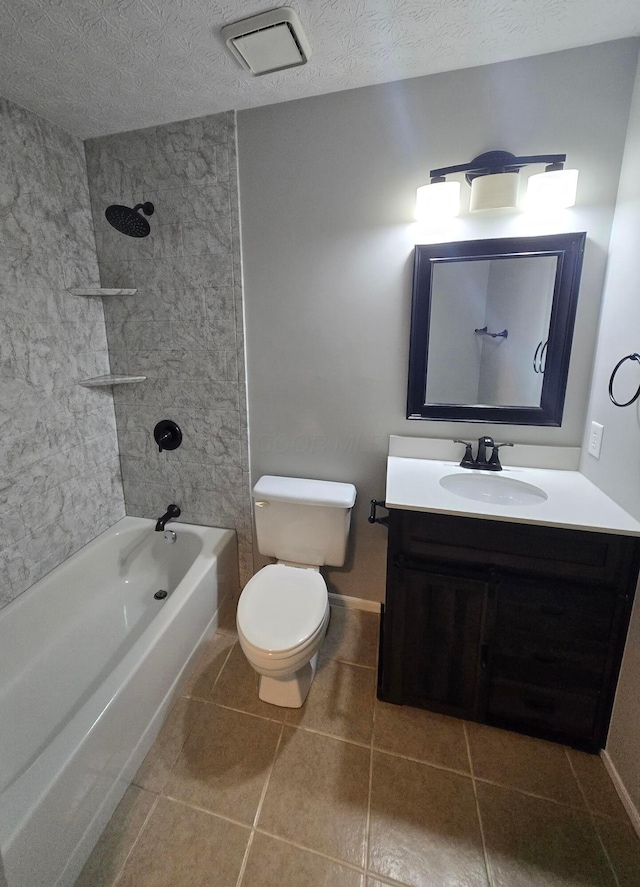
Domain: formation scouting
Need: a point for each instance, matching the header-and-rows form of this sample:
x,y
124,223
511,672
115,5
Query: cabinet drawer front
x,y
546,551
527,705
515,658
554,611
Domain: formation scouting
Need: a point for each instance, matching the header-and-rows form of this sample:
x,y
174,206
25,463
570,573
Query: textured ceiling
x,y
103,66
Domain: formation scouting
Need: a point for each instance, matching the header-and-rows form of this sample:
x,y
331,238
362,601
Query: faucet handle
x,y
467,460
494,460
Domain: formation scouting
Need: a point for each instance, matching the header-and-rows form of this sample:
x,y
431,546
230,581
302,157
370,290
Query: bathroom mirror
x,y
491,329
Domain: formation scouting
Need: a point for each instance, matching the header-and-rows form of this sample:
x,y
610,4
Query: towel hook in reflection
x,y
613,375
483,332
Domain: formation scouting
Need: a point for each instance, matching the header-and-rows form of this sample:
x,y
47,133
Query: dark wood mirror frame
x,y
569,248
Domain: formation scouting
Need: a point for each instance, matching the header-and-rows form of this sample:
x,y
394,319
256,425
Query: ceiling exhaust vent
x,y
271,41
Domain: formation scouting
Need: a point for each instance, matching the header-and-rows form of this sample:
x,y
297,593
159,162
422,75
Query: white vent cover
x,y
268,42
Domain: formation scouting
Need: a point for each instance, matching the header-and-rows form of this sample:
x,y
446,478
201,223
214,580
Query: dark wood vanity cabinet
x,y
509,624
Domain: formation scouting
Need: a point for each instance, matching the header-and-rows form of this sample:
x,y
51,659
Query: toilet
x,y
283,611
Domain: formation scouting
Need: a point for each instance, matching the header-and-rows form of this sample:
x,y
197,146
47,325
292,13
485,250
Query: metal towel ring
x,y
613,375
539,364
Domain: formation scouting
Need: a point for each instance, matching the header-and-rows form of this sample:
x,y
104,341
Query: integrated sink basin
x,y
493,489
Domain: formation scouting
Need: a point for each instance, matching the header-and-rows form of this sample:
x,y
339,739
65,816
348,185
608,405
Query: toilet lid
x,y
281,607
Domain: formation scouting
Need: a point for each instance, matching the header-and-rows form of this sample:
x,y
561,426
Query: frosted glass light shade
x,y
498,191
552,190
440,200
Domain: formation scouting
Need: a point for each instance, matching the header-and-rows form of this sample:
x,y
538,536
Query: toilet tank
x,y
303,521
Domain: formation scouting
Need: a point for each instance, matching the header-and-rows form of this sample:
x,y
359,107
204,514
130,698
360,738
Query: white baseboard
x,y
353,603
629,806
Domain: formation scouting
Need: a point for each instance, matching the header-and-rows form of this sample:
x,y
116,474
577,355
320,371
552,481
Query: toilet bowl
x,y
282,618
283,611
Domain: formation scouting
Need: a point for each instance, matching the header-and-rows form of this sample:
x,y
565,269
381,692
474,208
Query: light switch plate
x,y
595,439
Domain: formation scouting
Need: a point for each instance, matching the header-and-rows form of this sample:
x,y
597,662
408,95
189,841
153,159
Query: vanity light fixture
x,y
270,41
494,178
555,188
439,200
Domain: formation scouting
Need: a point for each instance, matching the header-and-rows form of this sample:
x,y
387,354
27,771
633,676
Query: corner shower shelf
x,y
110,379
99,291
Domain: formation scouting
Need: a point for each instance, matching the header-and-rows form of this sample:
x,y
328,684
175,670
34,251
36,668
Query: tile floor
x,y
352,792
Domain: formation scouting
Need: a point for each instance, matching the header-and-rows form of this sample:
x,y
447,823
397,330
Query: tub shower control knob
x,y
167,435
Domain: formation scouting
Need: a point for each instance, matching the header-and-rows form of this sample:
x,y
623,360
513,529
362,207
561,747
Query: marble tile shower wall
x,y
59,469
183,329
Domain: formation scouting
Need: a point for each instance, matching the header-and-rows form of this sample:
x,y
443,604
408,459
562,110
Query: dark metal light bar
x,y
497,162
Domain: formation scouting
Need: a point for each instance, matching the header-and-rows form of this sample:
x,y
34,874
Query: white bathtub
x,y
90,663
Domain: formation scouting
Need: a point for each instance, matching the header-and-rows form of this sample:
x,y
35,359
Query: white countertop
x,y
573,501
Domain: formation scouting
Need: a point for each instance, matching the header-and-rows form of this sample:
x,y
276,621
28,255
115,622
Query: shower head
x,y
129,221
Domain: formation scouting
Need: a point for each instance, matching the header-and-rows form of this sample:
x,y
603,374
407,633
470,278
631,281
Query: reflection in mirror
x,y
488,318
491,329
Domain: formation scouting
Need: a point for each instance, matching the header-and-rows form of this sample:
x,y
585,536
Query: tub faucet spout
x,y
172,512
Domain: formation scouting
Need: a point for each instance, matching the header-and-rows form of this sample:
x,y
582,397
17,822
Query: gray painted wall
x,y
59,470
183,328
507,373
617,472
327,190
458,307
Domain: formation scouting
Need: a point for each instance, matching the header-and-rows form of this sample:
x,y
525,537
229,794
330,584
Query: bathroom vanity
x,y
511,613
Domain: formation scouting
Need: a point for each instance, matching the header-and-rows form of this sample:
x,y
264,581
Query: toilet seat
x,y
282,609
283,659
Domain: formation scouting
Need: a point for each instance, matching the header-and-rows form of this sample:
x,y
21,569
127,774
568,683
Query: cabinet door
x,y
439,626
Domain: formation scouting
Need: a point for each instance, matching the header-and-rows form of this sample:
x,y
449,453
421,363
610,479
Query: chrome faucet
x,y
172,512
481,462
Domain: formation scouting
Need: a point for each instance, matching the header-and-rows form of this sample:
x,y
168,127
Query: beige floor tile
x,y
374,882
274,863
237,687
535,843
352,636
181,846
208,667
317,795
116,841
433,738
378,882
156,767
225,763
623,848
424,828
531,765
597,785
340,702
